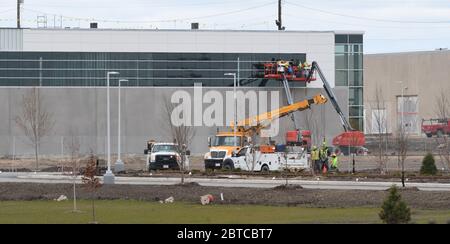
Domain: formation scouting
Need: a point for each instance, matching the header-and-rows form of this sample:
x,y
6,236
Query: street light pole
x,y
119,166
403,104
234,106
108,177
403,109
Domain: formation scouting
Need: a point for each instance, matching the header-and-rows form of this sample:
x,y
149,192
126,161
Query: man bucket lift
x,y
286,71
350,137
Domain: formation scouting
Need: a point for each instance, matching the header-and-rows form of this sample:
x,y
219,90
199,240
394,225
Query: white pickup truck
x,y
164,156
251,159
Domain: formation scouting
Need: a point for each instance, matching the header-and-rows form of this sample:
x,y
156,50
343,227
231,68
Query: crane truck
x,y
226,143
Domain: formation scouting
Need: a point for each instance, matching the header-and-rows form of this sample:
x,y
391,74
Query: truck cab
x,y
162,156
221,146
437,127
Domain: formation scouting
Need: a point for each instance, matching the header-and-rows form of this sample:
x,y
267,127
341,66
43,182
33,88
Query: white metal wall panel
x,y
11,39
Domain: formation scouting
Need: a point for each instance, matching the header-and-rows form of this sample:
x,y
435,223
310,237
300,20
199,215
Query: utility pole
x,y
279,22
18,13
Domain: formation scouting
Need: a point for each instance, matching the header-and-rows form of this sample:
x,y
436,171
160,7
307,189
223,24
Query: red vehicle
x,y
438,127
299,138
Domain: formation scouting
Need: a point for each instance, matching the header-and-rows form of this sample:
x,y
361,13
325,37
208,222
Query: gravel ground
x,y
191,193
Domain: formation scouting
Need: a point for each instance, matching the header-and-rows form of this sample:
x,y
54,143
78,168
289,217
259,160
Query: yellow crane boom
x,y
256,123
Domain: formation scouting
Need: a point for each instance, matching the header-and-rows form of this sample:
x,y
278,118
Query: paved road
x,y
231,181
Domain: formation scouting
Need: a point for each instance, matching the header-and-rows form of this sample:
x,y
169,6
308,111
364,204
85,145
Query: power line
x,y
371,19
158,21
364,24
141,5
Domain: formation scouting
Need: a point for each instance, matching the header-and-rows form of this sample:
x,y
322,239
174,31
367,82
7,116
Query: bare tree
x,y
182,136
354,139
312,125
34,120
443,112
444,151
379,120
73,146
91,182
402,141
443,104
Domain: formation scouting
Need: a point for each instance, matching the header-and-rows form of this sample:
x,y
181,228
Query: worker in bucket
x,y
280,66
334,162
315,159
306,69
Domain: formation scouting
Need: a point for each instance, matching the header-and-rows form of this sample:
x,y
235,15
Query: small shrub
x,y
428,165
394,210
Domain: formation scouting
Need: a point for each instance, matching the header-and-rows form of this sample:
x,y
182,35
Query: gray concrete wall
x,y
82,112
426,74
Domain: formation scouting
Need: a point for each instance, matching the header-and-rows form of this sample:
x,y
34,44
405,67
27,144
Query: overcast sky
x,y
390,25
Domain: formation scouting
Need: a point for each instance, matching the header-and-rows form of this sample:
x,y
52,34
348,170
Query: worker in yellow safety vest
x,y
306,69
334,162
323,154
315,159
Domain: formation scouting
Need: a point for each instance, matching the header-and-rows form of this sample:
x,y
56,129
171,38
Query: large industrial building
x,y
69,67
408,86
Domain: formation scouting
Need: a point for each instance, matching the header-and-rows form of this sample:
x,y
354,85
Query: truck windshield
x,y
226,141
164,148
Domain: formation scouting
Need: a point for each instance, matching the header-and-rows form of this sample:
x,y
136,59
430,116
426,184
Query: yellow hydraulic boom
x,y
257,123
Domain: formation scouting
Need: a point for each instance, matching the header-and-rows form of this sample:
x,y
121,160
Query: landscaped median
x,y
131,211
35,203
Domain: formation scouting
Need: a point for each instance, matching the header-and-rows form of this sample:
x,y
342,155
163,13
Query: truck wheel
x,y
265,168
228,165
439,133
429,135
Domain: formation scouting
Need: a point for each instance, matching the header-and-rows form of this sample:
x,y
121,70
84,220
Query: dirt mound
x,y
287,187
405,189
409,189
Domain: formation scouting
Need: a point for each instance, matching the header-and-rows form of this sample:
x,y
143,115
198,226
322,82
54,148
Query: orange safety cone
x,y
324,169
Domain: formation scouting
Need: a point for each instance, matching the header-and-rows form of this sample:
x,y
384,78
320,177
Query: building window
x,y
355,96
356,61
341,61
341,48
141,69
356,123
350,73
356,111
408,114
379,121
355,38
341,38
355,78
341,78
